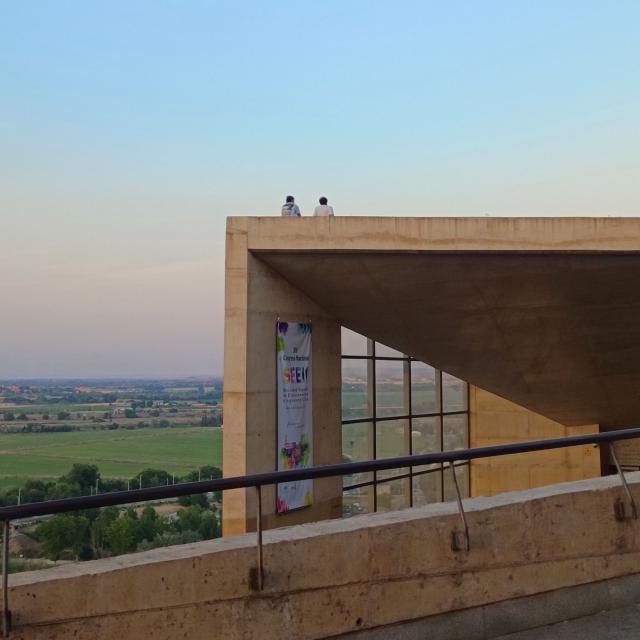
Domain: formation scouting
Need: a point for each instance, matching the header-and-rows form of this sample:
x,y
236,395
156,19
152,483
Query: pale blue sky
x,y
129,130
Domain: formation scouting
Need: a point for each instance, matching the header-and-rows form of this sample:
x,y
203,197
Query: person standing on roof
x,y
323,209
290,208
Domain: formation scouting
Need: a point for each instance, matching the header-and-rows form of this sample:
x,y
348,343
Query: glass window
x,y
392,438
357,446
425,396
454,393
355,394
393,427
353,344
462,474
392,441
425,435
357,501
427,487
393,495
390,388
455,432
387,352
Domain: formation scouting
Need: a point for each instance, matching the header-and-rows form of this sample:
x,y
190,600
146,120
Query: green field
x,y
118,454
52,409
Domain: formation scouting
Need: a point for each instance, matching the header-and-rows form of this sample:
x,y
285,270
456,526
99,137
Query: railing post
x,y
260,576
625,486
463,517
6,614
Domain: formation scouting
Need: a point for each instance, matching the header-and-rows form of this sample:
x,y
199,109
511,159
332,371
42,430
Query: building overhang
x,y
542,311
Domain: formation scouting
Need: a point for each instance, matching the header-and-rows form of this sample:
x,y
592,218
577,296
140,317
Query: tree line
x,y
97,533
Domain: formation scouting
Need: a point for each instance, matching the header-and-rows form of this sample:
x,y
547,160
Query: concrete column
x,y
255,298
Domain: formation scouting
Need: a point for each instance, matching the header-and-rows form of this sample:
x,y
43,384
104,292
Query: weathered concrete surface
x,y
618,624
541,311
494,420
339,576
255,297
535,615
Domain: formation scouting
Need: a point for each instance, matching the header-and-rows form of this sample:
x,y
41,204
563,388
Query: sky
x,y
130,130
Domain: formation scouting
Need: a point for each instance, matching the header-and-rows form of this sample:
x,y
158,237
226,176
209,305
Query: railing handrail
x,y
51,507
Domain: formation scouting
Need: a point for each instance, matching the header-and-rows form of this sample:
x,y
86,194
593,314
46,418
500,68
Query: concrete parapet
x,y
501,619
335,577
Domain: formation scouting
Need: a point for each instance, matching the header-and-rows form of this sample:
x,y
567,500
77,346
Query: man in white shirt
x,y
323,209
290,208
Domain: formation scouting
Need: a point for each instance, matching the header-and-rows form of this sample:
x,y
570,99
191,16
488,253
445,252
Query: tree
x,y
9,416
150,478
63,532
34,491
100,526
22,416
150,524
189,519
199,499
84,475
122,535
63,415
197,519
108,485
170,538
209,527
10,497
208,472
62,489
130,413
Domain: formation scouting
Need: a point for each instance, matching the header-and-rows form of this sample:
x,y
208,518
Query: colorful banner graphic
x,y
295,418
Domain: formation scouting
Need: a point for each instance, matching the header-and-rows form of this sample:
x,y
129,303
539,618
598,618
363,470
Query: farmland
x,y
118,454
120,426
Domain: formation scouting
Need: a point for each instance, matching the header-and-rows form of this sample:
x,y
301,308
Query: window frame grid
x,y
372,420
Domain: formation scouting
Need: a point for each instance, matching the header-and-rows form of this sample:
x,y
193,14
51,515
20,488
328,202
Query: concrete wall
x,y
255,297
339,576
494,420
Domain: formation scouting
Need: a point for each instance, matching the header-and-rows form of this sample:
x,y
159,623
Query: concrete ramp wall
x,y
340,576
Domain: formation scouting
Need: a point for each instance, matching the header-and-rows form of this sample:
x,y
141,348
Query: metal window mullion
x,y
403,417
371,381
409,427
468,439
368,483
441,409
387,358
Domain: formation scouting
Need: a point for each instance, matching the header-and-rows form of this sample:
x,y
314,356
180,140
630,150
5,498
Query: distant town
x,y
73,405
63,438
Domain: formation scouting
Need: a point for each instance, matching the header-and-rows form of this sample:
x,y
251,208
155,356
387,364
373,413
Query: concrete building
x,y
539,316
428,334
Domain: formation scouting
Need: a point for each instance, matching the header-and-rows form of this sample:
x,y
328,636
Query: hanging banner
x,y
295,418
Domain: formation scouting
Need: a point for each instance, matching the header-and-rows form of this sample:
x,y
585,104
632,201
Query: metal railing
x,y
259,480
